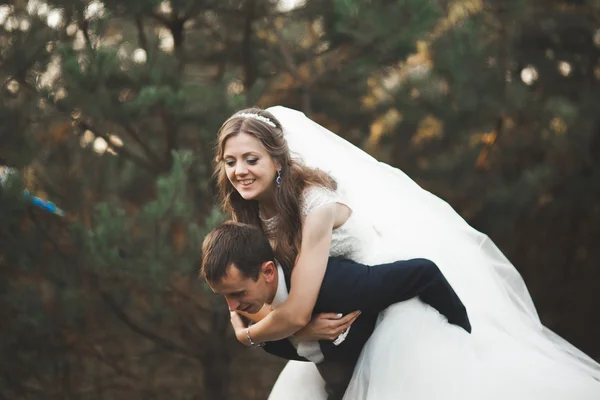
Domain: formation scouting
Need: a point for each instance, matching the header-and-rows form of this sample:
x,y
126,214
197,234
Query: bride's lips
x,y
246,182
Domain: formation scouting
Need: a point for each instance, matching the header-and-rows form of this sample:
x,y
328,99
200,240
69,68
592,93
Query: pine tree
x,y
110,109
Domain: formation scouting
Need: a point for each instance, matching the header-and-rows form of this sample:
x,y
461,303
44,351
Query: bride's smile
x,y
249,167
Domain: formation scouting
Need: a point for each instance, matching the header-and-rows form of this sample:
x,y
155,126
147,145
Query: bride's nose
x,y
241,169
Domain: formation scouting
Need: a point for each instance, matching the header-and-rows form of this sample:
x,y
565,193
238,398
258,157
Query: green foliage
x,y
382,24
156,96
124,145
138,244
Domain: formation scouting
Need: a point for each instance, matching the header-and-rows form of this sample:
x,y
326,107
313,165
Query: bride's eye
x,y
252,161
230,163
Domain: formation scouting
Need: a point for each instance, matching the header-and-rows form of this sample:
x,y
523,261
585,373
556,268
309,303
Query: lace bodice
x,y
354,239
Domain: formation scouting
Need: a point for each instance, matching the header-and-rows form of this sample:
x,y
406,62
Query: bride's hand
x,y
239,327
326,326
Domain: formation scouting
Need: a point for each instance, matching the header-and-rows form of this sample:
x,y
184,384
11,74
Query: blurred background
x,y
110,110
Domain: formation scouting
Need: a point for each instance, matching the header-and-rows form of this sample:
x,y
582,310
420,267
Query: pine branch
x,y
292,69
147,150
194,8
102,357
247,49
122,150
171,142
160,18
83,26
142,39
47,236
142,331
177,31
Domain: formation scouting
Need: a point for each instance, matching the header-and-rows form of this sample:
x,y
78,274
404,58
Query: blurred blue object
x,y
46,205
36,201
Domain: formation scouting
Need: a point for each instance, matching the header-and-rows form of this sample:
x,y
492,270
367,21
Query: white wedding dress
x,y
414,353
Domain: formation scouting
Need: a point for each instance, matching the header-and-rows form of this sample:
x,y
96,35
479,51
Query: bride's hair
x,y
295,177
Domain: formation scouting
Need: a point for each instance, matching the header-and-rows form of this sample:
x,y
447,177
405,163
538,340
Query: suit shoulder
x,y
338,260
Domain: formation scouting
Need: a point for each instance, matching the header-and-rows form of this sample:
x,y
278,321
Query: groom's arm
x,y
358,287
284,349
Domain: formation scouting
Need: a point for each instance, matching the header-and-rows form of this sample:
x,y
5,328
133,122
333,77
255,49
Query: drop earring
x,y
278,179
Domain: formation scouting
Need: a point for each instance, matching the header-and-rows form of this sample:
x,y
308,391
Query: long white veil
x,y
412,222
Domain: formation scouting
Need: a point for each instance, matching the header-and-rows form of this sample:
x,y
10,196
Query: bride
x,y
382,216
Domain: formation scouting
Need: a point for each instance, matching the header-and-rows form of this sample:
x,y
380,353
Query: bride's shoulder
x,y
314,196
315,191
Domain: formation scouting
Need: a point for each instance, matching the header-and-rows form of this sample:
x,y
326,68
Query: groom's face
x,y
245,294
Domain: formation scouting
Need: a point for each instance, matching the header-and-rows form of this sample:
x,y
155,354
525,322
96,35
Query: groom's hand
x,y
327,326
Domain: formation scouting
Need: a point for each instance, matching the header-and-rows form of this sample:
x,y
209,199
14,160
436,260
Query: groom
x,y
238,262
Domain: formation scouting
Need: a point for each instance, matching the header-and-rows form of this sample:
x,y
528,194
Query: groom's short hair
x,y
234,243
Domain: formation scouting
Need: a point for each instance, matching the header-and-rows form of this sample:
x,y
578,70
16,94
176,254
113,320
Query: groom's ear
x,y
269,270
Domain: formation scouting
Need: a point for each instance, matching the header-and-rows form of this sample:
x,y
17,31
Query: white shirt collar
x,y
308,349
282,293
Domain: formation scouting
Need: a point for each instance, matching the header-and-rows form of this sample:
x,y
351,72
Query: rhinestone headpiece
x,y
258,117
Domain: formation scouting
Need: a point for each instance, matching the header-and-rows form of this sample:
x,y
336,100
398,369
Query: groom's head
x,y
238,262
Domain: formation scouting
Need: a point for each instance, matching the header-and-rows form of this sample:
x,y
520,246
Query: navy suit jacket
x,y
349,286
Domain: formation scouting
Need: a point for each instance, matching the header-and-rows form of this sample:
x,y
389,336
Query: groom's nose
x,y
232,304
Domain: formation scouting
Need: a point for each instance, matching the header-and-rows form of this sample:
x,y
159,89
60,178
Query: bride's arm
x,y
258,316
307,277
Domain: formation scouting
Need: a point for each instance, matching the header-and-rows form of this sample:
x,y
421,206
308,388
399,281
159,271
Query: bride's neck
x,y
267,209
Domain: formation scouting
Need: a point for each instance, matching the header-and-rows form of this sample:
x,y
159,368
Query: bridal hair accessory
x,y
258,117
278,179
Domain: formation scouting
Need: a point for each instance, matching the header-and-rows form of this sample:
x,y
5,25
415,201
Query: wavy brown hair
x,y
295,177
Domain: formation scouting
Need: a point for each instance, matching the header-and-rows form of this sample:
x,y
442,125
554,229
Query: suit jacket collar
x,y
283,348
287,276
354,342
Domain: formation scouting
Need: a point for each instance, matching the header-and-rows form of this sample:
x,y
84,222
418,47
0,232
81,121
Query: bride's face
x,y
249,167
